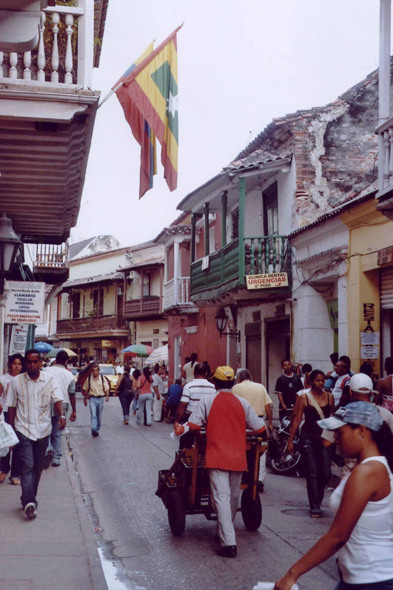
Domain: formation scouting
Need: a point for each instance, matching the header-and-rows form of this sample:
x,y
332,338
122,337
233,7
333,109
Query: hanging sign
x,y
267,281
25,303
371,338
369,352
18,339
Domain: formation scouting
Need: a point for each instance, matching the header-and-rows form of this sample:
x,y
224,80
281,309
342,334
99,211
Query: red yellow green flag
x,y
152,87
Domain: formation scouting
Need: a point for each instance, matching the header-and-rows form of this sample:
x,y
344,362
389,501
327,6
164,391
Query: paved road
x,y
118,478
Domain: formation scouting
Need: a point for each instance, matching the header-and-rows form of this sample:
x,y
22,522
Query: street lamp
x,y
221,320
9,246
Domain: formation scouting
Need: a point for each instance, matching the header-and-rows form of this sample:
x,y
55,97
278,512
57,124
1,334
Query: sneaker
x,y
95,433
55,464
31,510
228,551
48,460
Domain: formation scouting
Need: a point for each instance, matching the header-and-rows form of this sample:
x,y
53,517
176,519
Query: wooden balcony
x,y
177,294
51,263
147,308
226,269
93,325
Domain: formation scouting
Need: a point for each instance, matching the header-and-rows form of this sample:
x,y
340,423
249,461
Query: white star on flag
x,y
173,104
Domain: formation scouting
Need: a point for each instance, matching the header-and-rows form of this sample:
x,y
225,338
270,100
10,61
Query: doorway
x,y
278,348
253,334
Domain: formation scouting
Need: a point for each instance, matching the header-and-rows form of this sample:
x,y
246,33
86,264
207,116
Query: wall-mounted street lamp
x,y
9,246
221,320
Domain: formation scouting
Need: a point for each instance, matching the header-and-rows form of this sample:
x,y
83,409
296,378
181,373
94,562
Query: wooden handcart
x,y
185,487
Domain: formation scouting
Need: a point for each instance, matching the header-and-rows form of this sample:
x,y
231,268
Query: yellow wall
x,y
369,231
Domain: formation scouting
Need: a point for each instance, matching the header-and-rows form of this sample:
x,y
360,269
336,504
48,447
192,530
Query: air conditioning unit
x,y
119,291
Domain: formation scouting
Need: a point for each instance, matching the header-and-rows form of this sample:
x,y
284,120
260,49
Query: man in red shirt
x,y
227,417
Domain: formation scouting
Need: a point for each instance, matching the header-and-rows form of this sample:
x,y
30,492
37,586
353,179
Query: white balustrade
x,y
385,155
34,65
179,296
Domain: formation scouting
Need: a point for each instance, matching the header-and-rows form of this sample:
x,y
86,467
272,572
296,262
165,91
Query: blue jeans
x,y
96,407
385,585
54,444
316,458
126,398
31,456
145,399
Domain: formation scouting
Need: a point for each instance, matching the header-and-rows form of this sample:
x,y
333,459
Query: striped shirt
x,y
194,391
32,400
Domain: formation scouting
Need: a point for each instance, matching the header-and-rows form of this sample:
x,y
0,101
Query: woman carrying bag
x,y
124,389
316,404
145,398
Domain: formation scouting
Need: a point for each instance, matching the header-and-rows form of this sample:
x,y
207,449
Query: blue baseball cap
x,y
354,413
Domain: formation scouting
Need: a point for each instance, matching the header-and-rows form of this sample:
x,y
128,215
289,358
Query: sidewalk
x,y
57,550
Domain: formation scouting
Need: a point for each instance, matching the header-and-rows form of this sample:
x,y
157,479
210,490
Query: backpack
x,y
102,380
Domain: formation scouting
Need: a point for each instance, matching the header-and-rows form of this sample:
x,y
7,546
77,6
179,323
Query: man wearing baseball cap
x,y
227,417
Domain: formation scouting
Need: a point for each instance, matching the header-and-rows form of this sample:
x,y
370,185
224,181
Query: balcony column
x,y
141,299
384,79
207,234
242,212
193,236
224,202
176,272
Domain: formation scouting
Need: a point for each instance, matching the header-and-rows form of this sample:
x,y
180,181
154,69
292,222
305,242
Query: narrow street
x,y
118,478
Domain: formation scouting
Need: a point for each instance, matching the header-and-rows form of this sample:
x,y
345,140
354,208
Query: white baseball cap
x,y
361,383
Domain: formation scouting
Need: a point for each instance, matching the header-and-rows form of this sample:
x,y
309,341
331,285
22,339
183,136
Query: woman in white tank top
x,y
362,531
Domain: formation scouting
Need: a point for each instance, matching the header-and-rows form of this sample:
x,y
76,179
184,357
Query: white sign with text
x,y
25,302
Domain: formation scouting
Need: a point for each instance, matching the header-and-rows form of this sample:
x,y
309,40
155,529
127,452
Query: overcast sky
x,y
241,64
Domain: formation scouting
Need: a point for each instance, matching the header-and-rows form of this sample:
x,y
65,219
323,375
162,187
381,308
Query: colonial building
x,y
91,303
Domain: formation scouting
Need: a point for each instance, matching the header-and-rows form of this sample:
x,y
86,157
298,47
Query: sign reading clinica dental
x,y
267,281
25,302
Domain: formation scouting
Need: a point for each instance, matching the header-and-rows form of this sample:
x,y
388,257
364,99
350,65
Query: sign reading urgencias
x,y
267,281
25,303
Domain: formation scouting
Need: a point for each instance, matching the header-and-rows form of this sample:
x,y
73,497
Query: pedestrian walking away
x,y
29,401
66,382
315,404
287,385
227,417
11,460
136,385
188,368
157,389
362,530
384,386
95,389
145,398
125,391
261,403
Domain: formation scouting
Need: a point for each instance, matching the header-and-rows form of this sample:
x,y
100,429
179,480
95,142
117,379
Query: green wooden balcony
x,y
227,268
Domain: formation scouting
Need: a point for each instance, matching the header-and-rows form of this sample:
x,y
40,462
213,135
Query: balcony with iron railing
x,y
63,55
146,308
227,268
51,263
101,325
177,293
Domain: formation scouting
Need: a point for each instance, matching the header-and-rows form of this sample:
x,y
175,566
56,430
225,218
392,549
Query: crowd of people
x,y
339,409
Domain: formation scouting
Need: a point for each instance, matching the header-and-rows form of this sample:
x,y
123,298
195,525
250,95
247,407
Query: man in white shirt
x,y
66,382
29,401
188,369
342,371
95,389
157,389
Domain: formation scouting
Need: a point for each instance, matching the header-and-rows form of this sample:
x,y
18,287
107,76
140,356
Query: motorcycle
x,y
278,459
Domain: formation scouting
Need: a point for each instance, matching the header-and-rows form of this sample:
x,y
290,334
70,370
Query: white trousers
x,y
225,493
157,408
262,467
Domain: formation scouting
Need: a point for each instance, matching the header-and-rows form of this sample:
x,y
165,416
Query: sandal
x,y
315,514
15,481
2,477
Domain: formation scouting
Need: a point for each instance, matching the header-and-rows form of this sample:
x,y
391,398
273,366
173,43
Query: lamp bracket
x,y
231,335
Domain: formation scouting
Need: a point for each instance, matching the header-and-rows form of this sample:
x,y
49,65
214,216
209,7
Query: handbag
x,y
8,437
326,435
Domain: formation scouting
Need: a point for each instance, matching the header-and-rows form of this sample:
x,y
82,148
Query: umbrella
x,y
43,347
140,350
53,353
159,355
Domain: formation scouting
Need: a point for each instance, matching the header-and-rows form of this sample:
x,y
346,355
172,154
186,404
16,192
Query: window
x,y
156,342
146,284
98,301
270,211
75,305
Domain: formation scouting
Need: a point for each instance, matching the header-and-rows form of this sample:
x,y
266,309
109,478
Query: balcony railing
x,y
177,292
385,156
142,308
102,323
55,59
51,263
226,268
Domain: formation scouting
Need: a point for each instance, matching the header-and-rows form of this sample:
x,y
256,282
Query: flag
x,y
151,87
140,128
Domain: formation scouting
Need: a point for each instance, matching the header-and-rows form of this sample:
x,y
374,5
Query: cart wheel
x,y
251,510
176,514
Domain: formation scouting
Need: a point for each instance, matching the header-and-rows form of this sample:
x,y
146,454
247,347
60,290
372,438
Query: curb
x,y
96,573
